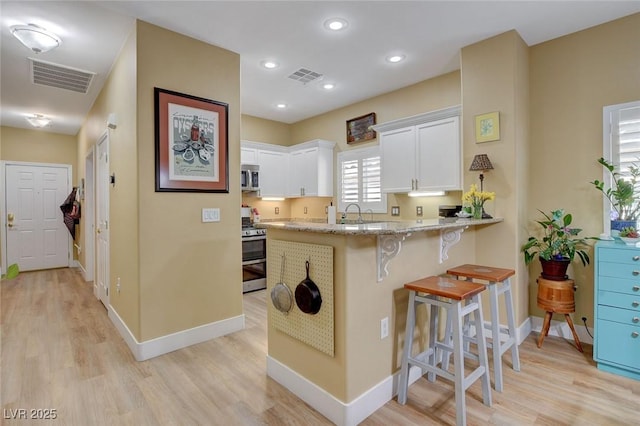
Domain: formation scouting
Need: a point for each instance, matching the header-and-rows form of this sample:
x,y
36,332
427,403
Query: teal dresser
x,y
616,343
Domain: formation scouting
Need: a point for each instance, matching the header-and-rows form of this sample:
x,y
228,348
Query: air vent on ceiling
x,y
304,75
60,76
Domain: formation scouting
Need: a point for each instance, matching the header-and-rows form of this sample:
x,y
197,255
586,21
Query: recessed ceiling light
x,y
268,64
336,24
395,58
38,120
328,86
281,106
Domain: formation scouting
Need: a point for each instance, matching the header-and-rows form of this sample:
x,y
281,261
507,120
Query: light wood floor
x,y
60,351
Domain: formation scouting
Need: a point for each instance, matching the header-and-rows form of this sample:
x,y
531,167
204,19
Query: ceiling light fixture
x,y
36,38
281,106
395,58
328,86
38,120
336,24
270,64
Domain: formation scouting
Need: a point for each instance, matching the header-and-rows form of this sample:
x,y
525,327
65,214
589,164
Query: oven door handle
x,y
253,262
258,238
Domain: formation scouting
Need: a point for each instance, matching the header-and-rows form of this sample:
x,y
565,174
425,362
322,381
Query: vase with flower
x,y
475,200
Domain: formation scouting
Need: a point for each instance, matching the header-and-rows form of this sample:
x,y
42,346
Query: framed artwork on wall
x,y
488,127
359,128
192,147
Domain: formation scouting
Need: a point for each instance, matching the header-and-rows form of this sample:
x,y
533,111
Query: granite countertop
x,y
378,228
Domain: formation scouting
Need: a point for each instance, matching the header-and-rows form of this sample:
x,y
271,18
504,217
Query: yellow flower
x,y
475,197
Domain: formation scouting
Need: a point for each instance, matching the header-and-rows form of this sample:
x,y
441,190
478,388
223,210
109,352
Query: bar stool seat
x,y
450,295
503,338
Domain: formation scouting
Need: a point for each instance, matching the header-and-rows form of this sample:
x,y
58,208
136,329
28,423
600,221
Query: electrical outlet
x,y
395,210
277,210
418,210
305,210
118,285
384,327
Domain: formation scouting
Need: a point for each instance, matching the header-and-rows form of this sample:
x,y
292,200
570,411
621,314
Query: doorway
x,y
35,235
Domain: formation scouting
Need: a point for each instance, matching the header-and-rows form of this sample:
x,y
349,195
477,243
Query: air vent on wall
x,y
304,75
60,76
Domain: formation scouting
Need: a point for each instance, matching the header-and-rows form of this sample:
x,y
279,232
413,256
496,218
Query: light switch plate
x,y
210,215
418,210
395,210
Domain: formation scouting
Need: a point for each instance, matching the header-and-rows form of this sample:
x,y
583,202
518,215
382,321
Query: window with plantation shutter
x,y
359,180
621,146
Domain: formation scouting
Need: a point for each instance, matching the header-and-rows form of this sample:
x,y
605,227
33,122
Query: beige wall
x,y
116,97
268,131
190,271
495,78
572,79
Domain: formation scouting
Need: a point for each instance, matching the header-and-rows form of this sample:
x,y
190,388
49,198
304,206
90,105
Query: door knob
x,y
98,230
10,218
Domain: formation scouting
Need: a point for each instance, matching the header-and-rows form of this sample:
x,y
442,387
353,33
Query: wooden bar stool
x,y
499,283
449,294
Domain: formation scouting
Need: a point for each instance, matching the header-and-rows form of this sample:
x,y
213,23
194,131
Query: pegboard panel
x,y
314,330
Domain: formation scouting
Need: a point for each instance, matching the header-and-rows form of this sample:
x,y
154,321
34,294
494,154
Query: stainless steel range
x,y
254,259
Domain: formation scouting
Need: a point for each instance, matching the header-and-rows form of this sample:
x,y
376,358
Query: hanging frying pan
x,y
281,295
308,296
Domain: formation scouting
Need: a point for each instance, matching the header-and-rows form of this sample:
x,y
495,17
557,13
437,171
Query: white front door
x,y
102,219
36,236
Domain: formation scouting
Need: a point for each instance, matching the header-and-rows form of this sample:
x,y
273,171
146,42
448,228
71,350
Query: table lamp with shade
x,y
482,164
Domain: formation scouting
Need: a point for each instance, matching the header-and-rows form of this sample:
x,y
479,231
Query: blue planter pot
x,y
619,224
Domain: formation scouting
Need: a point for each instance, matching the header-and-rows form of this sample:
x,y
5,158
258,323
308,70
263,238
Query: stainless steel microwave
x,y
250,177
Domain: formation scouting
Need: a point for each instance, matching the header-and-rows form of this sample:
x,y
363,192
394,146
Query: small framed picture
x,y
488,127
359,128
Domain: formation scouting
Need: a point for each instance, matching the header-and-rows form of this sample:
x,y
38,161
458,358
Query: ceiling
x,y
429,33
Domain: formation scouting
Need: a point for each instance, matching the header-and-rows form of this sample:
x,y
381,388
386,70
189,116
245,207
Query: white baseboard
x,y
171,342
561,328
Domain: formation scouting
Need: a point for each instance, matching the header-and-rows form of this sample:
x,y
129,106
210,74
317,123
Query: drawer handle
x,y
636,288
635,334
635,304
635,319
636,258
636,273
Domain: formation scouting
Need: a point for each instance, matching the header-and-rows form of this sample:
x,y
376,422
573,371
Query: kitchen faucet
x,y
346,209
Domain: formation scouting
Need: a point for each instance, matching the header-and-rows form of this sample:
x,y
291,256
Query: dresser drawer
x,y
624,316
619,255
620,285
618,300
617,343
618,270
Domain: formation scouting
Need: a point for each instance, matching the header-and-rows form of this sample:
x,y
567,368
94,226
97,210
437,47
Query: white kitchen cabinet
x,y
422,153
248,155
273,172
311,169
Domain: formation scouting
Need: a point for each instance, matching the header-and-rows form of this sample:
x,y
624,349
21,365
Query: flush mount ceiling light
x,y
36,38
336,24
38,120
395,58
281,106
328,86
269,64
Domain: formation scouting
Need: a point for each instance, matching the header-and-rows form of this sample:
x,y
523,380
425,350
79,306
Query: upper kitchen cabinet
x,y
274,163
422,152
248,155
311,169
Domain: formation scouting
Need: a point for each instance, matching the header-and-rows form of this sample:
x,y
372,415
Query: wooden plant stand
x,y
556,297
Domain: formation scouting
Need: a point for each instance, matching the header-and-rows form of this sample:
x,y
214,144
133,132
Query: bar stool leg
x,y
403,382
458,364
511,322
433,332
495,336
482,351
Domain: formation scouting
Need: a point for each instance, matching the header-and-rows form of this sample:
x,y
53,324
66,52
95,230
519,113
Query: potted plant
x,y
474,200
558,247
623,194
629,235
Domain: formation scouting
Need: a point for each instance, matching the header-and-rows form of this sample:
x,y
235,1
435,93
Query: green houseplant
x,y
558,246
623,194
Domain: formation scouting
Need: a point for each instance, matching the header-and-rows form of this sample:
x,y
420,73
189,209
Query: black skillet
x,y
308,296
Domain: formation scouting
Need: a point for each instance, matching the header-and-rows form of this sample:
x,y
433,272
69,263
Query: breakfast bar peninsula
x,y
343,359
